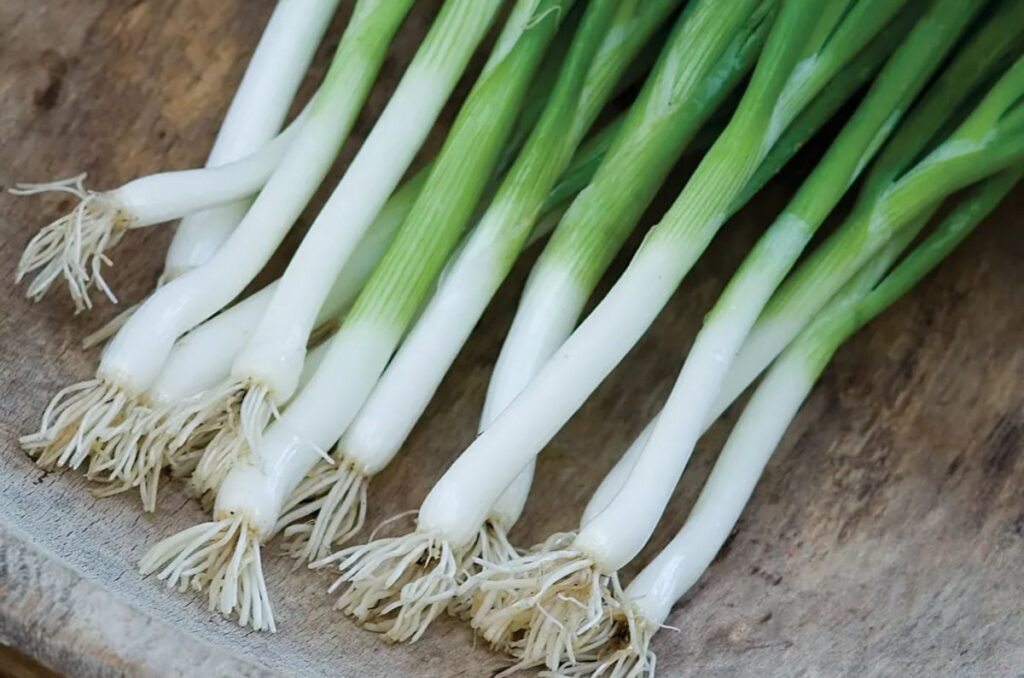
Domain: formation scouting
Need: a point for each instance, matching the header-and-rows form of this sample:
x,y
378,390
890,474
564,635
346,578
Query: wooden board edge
x,y
73,626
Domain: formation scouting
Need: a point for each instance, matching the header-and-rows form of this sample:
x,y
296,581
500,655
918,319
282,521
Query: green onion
x,y
985,143
166,433
266,372
277,407
76,246
674,104
587,80
80,423
768,415
969,70
252,495
642,498
457,506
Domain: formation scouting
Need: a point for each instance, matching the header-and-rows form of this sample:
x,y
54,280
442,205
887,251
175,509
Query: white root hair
x,y
131,460
334,495
75,245
228,421
182,461
546,607
225,450
142,448
491,546
209,421
397,585
149,439
254,415
195,420
627,654
77,424
147,442
222,556
175,447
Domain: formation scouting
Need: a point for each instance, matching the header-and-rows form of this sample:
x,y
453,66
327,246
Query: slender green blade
x,y
903,76
977,149
823,107
515,208
372,26
860,22
984,54
876,287
584,165
762,115
630,43
709,52
460,174
965,217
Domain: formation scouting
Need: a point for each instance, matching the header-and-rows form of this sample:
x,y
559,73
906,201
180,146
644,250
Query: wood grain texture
x,y
887,535
15,664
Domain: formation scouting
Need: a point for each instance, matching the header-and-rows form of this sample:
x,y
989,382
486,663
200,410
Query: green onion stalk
x,y
202,359
85,421
588,78
985,53
646,490
548,606
249,501
767,416
570,110
601,218
266,371
479,268
980,146
211,201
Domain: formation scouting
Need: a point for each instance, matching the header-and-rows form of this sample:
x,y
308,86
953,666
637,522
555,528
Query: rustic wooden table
x,y
887,535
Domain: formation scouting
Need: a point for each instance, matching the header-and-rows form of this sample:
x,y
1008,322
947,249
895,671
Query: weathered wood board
x,y
887,535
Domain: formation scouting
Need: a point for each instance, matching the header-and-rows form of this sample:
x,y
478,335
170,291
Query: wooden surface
x,y
887,535
15,664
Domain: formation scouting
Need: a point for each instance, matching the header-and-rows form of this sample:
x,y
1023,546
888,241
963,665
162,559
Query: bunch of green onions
x,y
278,407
